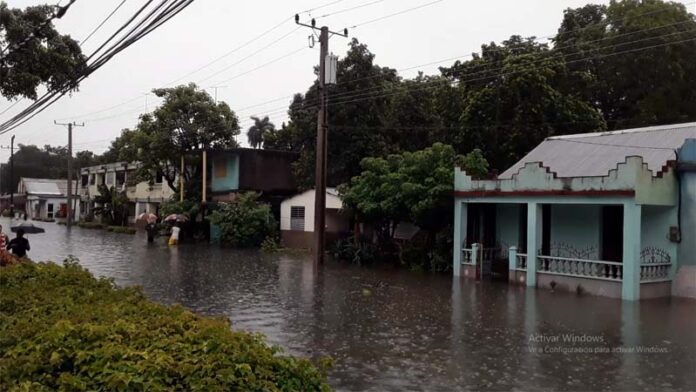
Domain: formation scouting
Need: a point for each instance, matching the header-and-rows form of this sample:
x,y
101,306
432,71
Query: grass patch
x,y
122,229
63,329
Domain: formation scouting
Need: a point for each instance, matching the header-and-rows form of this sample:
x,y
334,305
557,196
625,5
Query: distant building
x,y
297,219
46,198
611,213
267,172
142,196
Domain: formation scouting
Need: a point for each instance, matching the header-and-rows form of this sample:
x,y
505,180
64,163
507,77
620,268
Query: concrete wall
x,y
576,228
306,200
655,224
230,181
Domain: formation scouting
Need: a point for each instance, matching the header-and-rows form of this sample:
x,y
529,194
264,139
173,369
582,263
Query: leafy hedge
x,y
245,222
122,229
63,329
90,225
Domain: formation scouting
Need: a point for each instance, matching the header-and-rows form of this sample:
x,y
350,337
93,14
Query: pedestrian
x,y
174,238
151,229
19,245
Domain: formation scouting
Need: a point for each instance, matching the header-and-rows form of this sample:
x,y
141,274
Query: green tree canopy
x,y
411,187
186,123
34,53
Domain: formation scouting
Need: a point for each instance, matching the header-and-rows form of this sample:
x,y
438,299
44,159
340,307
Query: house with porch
x,y
609,213
46,198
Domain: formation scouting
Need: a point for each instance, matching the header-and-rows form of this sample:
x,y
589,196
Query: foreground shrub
x,y
360,253
63,329
90,225
122,229
245,222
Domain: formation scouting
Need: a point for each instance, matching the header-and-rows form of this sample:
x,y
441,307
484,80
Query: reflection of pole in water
x,y
630,340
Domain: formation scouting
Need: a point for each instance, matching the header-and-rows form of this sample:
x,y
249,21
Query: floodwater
x,y
390,330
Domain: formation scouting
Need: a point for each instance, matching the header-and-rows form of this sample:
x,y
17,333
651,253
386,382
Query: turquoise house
x,y
609,213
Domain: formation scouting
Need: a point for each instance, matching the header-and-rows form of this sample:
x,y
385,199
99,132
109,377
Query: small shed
x,y
297,219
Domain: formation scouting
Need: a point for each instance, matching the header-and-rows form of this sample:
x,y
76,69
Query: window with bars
x,y
297,218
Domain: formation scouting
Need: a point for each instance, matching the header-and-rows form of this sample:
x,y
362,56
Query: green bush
x,y
63,329
122,229
90,225
244,222
187,207
362,253
6,213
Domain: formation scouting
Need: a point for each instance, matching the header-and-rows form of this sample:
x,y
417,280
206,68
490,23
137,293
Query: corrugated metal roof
x,y
594,154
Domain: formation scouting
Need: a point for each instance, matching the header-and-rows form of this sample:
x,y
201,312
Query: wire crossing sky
x,y
219,42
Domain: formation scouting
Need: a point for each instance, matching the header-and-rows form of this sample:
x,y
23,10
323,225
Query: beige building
x,y
142,196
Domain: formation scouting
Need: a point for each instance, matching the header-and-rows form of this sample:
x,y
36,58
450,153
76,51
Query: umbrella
x,y
147,217
28,228
176,217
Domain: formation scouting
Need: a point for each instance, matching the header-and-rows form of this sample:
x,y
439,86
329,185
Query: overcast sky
x,y
209,29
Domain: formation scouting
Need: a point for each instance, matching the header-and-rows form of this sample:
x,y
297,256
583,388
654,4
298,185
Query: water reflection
x,y
396,330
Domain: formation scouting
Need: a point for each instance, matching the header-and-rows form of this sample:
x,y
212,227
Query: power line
x,y
350,9
281,23
250,55
502,48
146,25
363,95
395,14
102,23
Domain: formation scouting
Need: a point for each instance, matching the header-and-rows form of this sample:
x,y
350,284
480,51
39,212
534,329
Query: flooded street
x,y
396,330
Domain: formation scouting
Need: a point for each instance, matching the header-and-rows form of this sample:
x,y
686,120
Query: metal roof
x,y
595,154
46,187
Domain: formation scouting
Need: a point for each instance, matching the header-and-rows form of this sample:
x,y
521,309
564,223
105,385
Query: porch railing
x,y
655,272
593,269
476,255
521,263
468,256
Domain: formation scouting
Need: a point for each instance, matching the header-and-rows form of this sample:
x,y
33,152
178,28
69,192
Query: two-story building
x,y
142,196
266,172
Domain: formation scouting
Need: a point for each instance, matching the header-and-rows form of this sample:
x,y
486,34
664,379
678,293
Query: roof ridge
x,y
624,131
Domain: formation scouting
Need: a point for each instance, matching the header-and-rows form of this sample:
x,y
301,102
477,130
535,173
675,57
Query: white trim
x,y
624,131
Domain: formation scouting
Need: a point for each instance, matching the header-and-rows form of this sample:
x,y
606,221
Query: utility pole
x,y
70,173
12,175
322,133
216,91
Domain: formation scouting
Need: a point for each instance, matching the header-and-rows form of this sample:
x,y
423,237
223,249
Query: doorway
x,y
612,233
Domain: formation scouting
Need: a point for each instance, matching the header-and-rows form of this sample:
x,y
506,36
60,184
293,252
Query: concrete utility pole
x,y
322,133
70,171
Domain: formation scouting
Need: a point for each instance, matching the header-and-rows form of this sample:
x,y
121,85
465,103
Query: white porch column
x,y
512,258
630,287
534,222
460,219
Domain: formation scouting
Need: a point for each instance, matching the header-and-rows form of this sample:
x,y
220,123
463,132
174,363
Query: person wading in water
x,y
19,245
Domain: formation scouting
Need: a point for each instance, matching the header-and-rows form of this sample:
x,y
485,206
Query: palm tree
x,y
256,132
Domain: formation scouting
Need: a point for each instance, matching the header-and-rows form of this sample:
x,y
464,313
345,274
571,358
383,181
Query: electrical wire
x,y
395,14
350,9
250,55
102,23
151,21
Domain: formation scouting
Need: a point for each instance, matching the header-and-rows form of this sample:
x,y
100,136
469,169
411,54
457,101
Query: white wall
x,y
306,200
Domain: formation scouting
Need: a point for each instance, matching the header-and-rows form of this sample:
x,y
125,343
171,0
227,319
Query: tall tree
x,y
34,53
355,122
514,99
653,81
257,132
186,123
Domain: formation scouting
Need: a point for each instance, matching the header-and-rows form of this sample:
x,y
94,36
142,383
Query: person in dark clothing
x,y
19,245
151,229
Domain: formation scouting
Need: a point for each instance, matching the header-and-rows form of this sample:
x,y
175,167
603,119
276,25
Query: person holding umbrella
x,y
19,245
